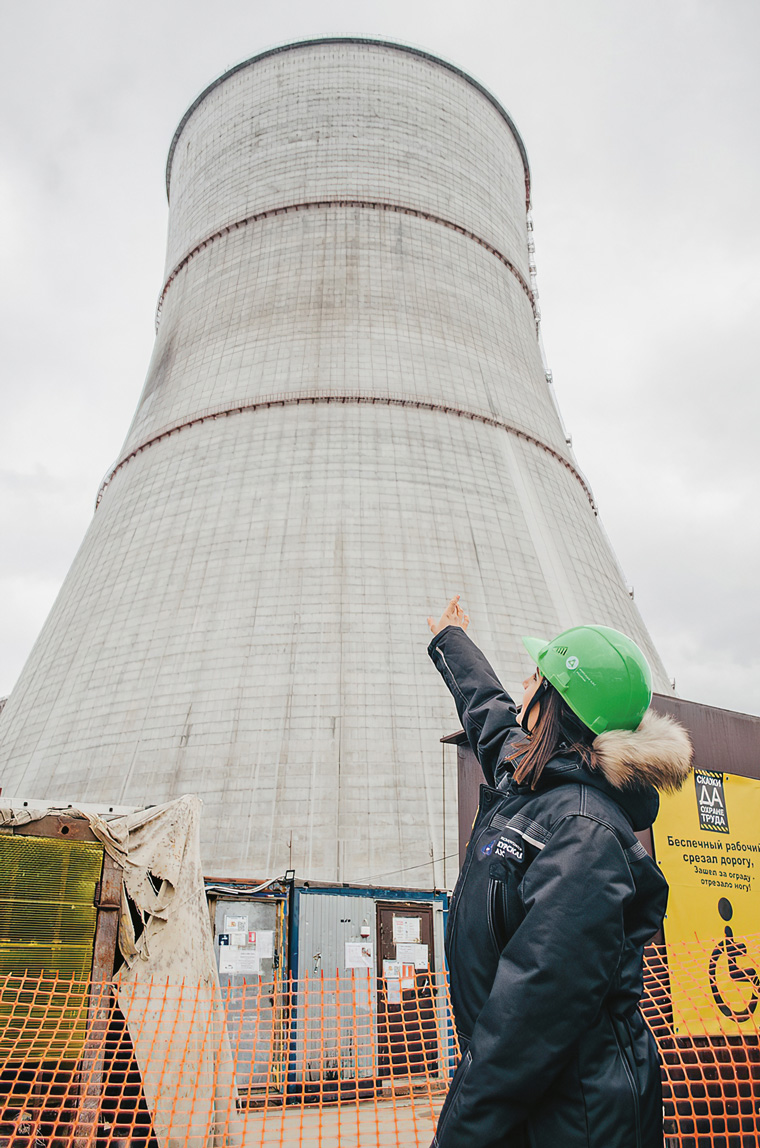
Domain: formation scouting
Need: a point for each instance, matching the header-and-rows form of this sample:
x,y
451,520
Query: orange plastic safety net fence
x,y
346,1060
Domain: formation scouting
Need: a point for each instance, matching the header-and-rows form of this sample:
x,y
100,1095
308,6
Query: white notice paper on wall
x,y
236,924
359,955
406,929
416,955
228,961
248,963
265,943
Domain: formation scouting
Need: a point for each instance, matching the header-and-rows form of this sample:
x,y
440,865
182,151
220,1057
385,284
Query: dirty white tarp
x,y
168,988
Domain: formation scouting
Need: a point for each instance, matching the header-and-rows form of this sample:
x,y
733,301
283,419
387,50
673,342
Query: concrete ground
x,y
405,1123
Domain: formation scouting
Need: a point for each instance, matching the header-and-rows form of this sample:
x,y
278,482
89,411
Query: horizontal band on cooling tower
x,y
269,401
361,40
322,204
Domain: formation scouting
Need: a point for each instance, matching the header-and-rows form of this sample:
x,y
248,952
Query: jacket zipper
x,y
496,890
453,1099
631,1081
454,912
491,897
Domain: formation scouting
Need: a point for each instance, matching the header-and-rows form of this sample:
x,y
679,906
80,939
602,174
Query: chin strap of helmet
x,y
543,687
573,730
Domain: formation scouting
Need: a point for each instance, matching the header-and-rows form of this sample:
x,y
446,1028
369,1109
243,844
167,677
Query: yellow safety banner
x,y
707,843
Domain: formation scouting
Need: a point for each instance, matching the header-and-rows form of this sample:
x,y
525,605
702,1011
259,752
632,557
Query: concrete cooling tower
x,y
346,420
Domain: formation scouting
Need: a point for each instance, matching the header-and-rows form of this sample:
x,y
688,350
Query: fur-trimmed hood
x,y
658,753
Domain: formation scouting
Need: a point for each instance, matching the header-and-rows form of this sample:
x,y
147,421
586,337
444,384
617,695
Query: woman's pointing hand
x,y
453,615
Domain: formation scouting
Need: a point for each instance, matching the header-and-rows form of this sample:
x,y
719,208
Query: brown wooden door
x,y
406,1022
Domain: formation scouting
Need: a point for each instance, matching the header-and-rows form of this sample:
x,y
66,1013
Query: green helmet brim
x,y
535,646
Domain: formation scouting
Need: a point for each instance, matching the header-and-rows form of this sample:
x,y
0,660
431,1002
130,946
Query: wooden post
x,y
108,903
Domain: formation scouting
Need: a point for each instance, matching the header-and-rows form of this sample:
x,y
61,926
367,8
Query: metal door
x,y
406,1022
248,975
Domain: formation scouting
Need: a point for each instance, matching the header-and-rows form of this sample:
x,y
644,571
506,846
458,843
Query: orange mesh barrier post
x,y
353,1018
92,1065
323,1044
411,1025
339,1068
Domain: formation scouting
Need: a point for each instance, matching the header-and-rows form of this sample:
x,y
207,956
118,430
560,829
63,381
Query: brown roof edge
x,y
724,740
458,738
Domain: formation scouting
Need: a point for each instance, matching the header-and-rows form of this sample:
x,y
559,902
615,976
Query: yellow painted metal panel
x,y
47,925
707,841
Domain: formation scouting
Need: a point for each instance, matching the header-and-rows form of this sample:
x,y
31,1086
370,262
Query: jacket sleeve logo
x,y
503,847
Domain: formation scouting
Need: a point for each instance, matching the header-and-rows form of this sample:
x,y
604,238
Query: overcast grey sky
x,y
640,121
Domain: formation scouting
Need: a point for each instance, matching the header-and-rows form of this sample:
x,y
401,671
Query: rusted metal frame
x,y
368,204
376,400
57,825
108,904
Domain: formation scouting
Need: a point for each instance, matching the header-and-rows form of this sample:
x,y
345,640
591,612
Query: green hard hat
x,y
601,674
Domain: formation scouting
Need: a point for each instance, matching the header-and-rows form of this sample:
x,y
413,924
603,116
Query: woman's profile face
x,y
530,685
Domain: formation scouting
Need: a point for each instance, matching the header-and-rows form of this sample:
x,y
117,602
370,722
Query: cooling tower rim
x,y
352,40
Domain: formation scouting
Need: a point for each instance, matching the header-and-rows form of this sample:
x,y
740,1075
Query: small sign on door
x,y
407,930
416,954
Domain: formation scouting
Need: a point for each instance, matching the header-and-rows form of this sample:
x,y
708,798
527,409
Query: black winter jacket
x,y
554,904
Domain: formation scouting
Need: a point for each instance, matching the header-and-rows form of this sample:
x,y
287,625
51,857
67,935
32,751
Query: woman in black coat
x,y
557,897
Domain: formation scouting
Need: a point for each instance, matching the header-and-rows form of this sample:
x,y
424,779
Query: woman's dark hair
x,y
557,729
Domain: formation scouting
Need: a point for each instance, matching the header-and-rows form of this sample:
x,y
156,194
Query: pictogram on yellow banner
x,y
707,842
